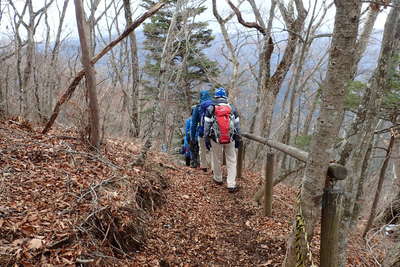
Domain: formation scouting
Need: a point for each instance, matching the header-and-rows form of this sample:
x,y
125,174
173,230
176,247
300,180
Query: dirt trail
x,y
203,224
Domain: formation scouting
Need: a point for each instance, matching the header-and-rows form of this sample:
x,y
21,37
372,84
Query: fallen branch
x,y
168,166
83,261
59,243
92,156
71,88
102,183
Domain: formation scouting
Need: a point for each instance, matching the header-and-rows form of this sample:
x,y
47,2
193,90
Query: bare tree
x,y
378,191
341,59
34,18
134,101
269,84
74,83
90,76
232,51
52,78
361,132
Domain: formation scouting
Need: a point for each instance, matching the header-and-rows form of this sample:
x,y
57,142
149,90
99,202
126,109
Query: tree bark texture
x,y
341,59
90,75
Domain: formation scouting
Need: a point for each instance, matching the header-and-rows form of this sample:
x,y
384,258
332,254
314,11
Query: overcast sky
x,y
70,24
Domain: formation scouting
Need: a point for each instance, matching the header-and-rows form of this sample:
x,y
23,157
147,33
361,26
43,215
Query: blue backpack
x,y
203,108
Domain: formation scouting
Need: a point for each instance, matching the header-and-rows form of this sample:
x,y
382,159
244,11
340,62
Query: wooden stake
x,y
329,227
240,159
269,170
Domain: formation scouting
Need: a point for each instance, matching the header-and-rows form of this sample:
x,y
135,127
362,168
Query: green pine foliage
x,y
197,63
353,96
391,100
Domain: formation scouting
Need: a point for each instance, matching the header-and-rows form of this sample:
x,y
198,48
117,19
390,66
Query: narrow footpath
x,y
201,224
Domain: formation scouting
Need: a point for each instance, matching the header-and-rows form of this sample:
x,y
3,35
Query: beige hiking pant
x,y
230,155
205,155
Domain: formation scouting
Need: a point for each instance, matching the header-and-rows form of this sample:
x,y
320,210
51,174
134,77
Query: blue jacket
x,y
188,125
186,139
205,100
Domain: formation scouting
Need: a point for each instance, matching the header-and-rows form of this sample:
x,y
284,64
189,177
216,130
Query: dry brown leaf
x,y
35,243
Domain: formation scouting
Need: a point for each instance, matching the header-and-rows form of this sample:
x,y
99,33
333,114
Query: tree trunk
x,y
379,188
90,76
53,75
360,192
362,128
362,42
134,109
332,95
310,113
162,83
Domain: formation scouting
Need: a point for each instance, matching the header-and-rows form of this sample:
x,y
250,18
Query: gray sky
x,y
70,23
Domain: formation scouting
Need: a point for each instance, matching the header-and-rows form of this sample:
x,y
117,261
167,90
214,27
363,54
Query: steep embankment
x,y
63,205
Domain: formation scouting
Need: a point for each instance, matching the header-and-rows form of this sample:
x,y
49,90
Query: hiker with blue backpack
x,y
222,135
186,140
193,141
197,128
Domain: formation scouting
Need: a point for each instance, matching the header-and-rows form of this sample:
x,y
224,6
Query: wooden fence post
x,y
240,159
269,172
331,202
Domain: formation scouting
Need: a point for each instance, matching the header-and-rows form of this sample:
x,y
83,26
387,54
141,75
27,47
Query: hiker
x,y
186,141
193,141
222,135
198,128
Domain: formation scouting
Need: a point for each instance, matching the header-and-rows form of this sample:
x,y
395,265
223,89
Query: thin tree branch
x,y
243,22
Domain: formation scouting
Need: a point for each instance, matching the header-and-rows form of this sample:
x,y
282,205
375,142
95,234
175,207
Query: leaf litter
x,y
62,204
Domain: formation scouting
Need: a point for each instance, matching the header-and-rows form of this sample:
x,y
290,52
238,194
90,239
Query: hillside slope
x,y
64,205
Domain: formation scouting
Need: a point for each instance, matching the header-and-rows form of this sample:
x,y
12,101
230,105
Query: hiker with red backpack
x,y
197,128
222,135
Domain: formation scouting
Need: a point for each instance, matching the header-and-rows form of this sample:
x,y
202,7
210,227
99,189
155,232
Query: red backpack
x,y
223,123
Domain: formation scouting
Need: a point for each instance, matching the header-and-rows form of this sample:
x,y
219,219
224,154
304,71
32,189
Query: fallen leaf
x,y
35,243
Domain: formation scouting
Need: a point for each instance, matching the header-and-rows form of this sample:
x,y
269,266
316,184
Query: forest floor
x,y
61,204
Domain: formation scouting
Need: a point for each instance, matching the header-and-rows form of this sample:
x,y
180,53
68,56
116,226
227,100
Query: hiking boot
x,y
232,189
217,182
194,165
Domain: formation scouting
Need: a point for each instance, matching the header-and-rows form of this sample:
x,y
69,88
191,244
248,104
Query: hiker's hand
x,y
208,143
238,141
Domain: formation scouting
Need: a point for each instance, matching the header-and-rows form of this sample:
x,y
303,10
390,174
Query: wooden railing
x,y
330,201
